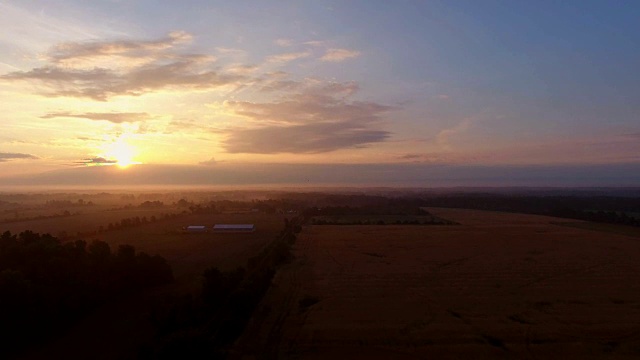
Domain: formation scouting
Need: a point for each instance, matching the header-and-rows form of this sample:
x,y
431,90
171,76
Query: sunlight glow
x,y
122,152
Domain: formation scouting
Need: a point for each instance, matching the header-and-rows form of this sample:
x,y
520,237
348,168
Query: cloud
x,y
442,158
209,162
319,118
71,53
280,85
230,51
283,42
338,55
4,157
241,69
318,43
190,126
97,161
287,57
116,118
443,138
152,66
302,139
357,175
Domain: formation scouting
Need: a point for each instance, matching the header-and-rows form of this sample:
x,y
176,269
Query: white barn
x,y
196,228
224,228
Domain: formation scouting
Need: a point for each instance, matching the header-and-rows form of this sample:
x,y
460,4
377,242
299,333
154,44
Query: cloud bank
x,y
319,118
114,117
100,70
4,157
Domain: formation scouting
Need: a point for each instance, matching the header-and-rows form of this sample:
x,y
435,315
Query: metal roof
x,y
233,226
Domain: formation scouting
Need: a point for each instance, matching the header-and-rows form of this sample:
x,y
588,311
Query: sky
x,y
412,93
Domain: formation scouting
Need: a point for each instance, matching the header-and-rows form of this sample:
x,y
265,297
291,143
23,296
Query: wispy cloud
x,y
302,139
318,43
209,162
72,53
155,65
230,51
338,55
241,69
287,57
116,118
319,118
4,157
441,158
443,138
96,161
283,42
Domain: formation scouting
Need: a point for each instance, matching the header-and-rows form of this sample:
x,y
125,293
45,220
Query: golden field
x,y
497,286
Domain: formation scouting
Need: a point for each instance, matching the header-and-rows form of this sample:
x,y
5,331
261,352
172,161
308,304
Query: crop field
x,y
191,253
377,220
497,286
187,253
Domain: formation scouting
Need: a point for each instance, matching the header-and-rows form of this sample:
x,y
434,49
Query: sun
x,y
122,152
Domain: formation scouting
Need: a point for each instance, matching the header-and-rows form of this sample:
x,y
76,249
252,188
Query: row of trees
x,y
392,208
47,285
17,217
606,209
66,203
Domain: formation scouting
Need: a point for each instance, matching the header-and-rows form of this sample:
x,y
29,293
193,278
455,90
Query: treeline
x,y
47,285
205,326
610,217
607,209
66,203
390,208
65,213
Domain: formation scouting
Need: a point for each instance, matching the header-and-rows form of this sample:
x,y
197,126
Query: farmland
x,y
498,285
372,276
125,322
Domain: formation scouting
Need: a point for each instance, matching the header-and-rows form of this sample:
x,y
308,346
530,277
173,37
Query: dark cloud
x,y
310,138
442,158
74,69
117,118
320,118
411,156
357,175
96,161
16,156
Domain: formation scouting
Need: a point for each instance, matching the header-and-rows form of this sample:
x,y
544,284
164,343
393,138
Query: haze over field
x,y
422,93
